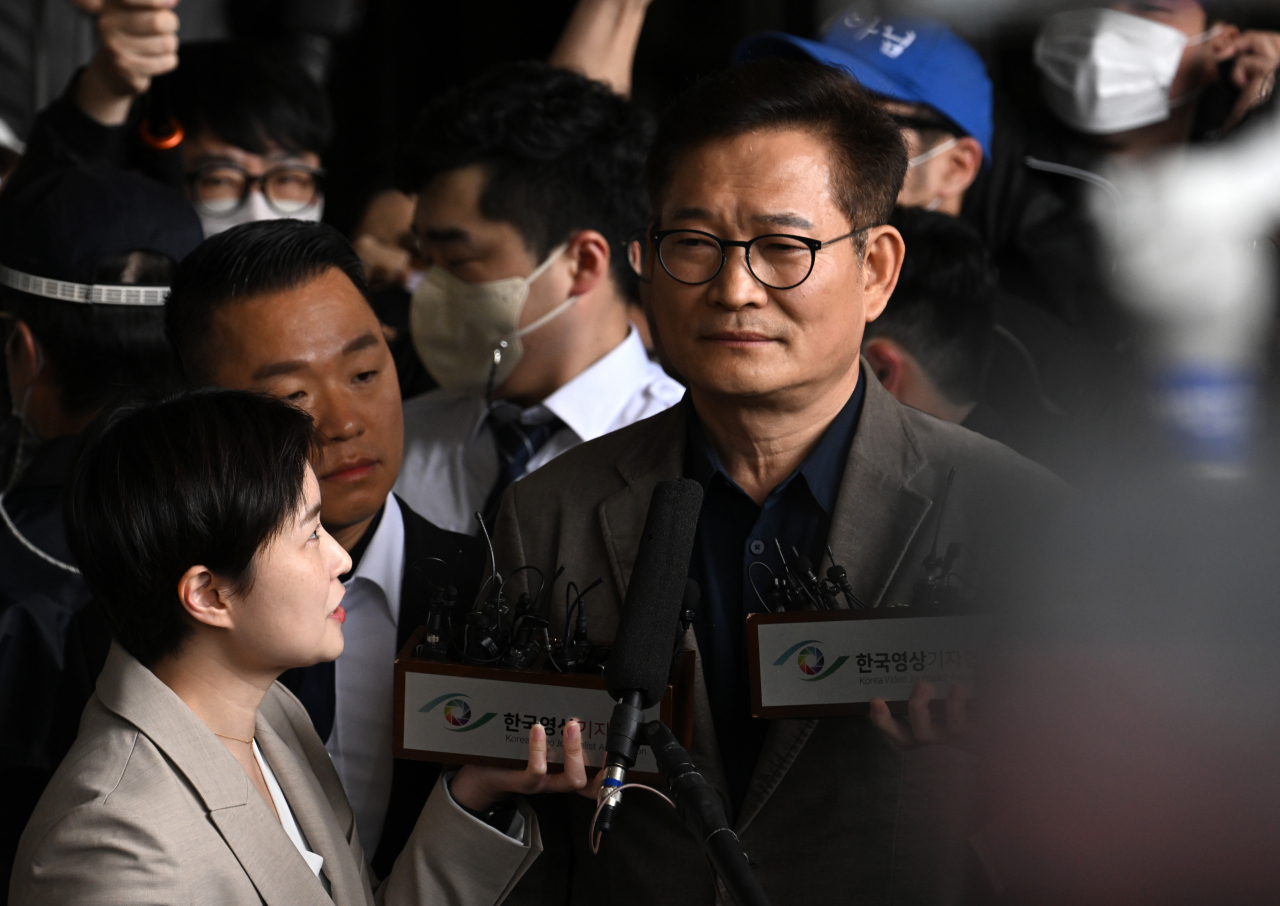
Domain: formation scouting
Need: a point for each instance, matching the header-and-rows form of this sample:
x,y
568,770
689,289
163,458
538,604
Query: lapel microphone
x,y
640,662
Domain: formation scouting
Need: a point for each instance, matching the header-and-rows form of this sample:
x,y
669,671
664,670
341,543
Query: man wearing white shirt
x,y
529,183
451,462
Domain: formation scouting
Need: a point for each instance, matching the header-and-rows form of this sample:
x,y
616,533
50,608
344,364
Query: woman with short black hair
x,y
195,776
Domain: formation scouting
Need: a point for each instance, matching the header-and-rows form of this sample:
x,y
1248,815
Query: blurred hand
x,y
920,729
477,788
384,240
137,40
599,41
1257,56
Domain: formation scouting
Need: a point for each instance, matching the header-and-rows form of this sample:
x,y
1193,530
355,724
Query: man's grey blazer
x,y
834,812
150,808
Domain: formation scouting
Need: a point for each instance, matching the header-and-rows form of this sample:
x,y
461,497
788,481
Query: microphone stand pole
x,y
703,813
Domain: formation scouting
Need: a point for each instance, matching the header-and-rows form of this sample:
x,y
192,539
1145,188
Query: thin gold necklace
x,y
247,742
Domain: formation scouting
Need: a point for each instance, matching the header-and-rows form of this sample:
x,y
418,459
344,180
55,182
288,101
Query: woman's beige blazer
x,y
150,808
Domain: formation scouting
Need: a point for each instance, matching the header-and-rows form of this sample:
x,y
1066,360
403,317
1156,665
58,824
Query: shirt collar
x,y
580,403
383,561
583,406
822,468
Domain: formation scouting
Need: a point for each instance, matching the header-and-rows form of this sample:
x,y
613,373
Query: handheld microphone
x,y
809,581
640,662
840,579
703,813
435,642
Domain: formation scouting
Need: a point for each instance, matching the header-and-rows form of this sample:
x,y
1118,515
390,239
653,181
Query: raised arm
x,y
137,40
600,40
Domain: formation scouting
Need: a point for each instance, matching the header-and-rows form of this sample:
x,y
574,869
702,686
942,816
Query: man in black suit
x,y
280,307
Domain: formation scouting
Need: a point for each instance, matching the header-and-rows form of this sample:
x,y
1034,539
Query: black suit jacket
x,y
89,640
412,781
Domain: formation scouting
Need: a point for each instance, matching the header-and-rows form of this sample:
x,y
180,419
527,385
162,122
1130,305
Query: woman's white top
x,y
314,862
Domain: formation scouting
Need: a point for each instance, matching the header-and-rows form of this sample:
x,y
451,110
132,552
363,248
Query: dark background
x,y
407,51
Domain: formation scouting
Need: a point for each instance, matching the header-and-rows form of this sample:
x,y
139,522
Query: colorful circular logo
x,y
810,660
457,713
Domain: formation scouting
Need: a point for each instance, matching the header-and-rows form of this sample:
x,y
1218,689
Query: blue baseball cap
x,y
914,60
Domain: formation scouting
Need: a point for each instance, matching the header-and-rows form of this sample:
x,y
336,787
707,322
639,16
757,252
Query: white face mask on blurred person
x,y
254,208
925,156
457,327
1106,71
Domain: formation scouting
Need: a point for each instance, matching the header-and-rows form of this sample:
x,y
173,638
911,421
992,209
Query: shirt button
x,y
757,547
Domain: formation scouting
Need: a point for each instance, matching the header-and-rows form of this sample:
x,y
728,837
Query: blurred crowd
x,y
1061,225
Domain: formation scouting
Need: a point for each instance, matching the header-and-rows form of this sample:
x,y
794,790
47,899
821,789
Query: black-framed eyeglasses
x,y
778,260
223,188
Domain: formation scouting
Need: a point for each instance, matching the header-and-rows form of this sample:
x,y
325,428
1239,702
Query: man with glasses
x,y
1051,384
529,180
770,186
240,131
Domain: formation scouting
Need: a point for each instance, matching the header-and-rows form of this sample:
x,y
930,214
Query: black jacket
x,y
63,135
38,600
412,781
1031,206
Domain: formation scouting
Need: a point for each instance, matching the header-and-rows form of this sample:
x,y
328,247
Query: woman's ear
x,y
204,600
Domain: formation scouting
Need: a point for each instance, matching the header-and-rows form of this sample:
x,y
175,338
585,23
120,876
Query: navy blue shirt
x,y
733,533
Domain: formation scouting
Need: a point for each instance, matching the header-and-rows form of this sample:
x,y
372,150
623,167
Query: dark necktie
x,y
517,444
316,686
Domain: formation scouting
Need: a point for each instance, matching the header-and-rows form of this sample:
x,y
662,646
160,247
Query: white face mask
x,y
254,209
1106,71
468,334
925,156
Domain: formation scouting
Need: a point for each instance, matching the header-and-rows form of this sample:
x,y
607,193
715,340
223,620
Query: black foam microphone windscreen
x,y
641,655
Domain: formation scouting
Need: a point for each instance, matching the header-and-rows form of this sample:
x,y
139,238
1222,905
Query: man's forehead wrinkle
x,y
755,184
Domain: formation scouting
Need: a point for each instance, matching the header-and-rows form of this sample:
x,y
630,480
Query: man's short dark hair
x,y
942,309
206,478
97,352
867,153
248,98
248,260
561,153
